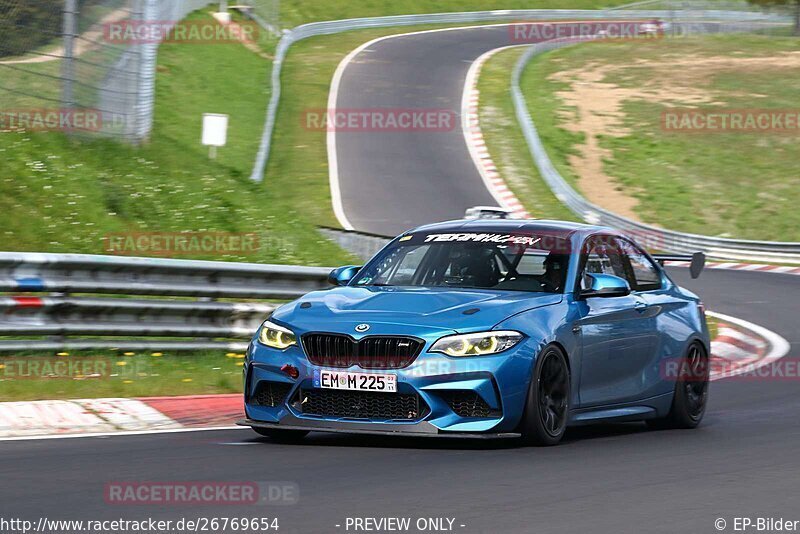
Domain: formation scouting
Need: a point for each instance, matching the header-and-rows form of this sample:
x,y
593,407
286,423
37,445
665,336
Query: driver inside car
x,y
555,269
477,267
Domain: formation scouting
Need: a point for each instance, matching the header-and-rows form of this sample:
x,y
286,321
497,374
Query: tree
x,y
793,4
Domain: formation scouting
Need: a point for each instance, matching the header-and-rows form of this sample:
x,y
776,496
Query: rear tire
x,y
544,420
691,392
281,436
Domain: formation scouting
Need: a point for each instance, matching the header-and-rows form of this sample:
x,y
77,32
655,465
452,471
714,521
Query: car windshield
x,y
490,260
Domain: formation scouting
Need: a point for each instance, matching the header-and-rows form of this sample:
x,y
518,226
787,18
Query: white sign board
x,y
215,129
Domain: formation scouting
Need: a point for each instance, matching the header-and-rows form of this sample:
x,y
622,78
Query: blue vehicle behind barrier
x,y
484,328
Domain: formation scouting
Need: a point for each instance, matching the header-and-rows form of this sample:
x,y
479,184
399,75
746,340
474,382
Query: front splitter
x,y
422,429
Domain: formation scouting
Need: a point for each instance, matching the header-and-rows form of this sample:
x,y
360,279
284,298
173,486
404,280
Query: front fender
x,y
545,326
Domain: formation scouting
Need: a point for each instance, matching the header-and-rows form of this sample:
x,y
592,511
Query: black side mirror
x,y
606,285
343,275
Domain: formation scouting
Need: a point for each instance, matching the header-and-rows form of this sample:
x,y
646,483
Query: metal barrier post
x,y
70,30
145,98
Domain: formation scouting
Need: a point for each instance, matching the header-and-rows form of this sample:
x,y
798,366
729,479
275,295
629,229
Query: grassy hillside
x,y
737,184
63,195
294,12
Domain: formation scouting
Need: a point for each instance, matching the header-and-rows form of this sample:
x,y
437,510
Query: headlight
x,y
276,336
478,344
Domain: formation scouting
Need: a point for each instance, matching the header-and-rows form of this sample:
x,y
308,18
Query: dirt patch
x,y
595,107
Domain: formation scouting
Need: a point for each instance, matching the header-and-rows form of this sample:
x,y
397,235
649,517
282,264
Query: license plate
x,y
355,381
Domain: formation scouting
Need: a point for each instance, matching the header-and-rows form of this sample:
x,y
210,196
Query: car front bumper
x,y
465,396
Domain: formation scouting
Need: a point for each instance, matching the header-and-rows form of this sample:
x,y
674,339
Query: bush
x,y
26,25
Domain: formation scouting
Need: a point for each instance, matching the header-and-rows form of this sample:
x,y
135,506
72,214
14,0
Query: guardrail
x,y
667,240
359,244
67,295
518,15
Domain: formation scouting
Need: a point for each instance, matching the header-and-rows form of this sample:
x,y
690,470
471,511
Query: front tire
x,y
691,392
544,421
281,436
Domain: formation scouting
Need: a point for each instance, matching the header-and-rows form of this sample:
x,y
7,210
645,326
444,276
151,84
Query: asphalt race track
x,y
620,478
742,461
391,181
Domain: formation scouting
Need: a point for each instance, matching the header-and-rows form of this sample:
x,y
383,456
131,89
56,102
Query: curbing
x,y
67,418
740,347
470,124
760,267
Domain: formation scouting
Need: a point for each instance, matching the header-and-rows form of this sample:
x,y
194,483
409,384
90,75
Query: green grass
x,y
543,106
295,12
713,326
740,185
37,85
18,84
64,195
506,143
37,377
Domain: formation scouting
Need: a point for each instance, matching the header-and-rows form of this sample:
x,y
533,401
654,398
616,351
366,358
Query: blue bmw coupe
x,y
483,328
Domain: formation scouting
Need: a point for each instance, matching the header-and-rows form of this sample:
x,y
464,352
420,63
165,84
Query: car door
x,y
650,285
617,334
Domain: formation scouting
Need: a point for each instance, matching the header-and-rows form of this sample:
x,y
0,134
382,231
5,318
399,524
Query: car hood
x,y
403,310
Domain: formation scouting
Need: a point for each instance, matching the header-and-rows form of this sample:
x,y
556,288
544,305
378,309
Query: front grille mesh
x,y
271,394
467,404
360,404
330,349
373,352
388,352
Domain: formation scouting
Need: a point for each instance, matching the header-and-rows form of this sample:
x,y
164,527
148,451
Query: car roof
x,y
511,225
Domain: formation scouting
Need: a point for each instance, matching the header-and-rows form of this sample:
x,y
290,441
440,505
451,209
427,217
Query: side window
x,y
645,274
603,256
